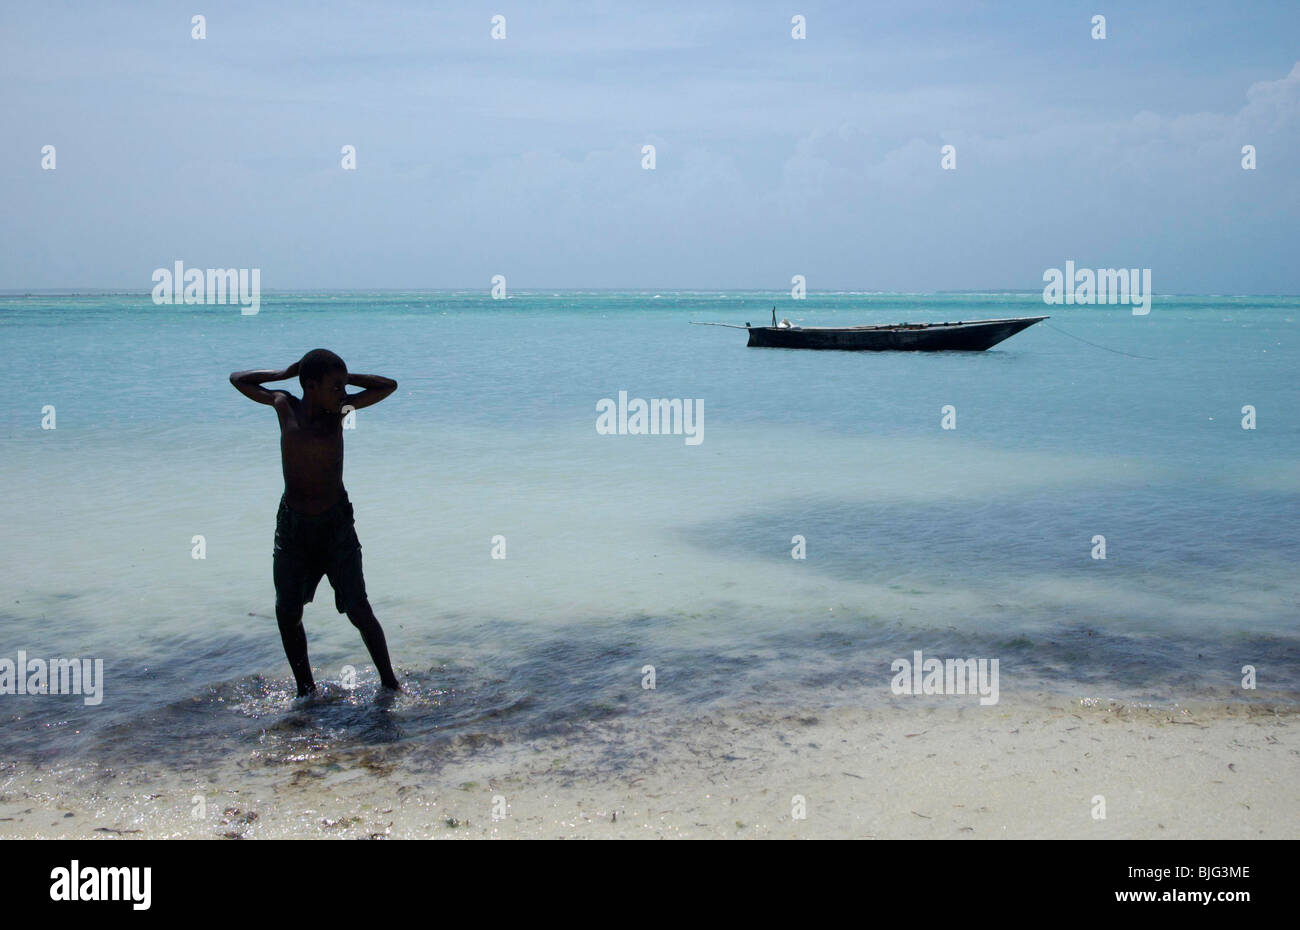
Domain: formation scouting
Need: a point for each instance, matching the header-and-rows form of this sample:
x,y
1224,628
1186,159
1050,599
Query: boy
x,y
314,531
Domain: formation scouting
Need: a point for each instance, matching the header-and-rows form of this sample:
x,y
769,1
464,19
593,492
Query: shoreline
x,y
1026,768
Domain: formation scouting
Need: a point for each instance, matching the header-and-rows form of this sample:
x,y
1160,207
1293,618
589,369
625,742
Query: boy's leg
x,y
296,575
349,583
372,634
294,638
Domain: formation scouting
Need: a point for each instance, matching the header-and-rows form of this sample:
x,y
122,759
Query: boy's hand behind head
x,y
317,363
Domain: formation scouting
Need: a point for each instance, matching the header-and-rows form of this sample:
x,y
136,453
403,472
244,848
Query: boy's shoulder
x,y
286,406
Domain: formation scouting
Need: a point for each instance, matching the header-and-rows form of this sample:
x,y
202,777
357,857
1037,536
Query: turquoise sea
x,y
627,551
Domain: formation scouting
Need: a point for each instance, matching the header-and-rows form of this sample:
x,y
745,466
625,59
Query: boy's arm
x,y
249,383
376,389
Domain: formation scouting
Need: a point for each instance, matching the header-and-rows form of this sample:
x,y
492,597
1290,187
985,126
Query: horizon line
x,y
147,292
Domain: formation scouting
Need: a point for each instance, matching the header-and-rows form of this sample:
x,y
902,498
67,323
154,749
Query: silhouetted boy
x,y
314,531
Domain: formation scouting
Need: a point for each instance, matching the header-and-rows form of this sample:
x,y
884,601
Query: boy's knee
x,y
360,613
288,616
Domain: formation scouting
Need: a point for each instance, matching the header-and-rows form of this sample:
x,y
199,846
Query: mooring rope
x,y
1096,345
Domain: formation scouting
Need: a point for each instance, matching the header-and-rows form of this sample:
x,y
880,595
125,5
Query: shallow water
x,y
628,551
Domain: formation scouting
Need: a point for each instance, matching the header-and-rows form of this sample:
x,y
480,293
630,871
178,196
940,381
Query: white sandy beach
x,y
1017,770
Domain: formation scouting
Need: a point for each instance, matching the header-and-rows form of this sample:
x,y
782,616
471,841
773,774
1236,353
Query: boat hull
x,y
975,336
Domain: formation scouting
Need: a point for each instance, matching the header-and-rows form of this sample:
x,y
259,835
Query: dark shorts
x,y
308,546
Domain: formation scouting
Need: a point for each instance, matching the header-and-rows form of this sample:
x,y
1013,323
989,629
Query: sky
x,y
774,156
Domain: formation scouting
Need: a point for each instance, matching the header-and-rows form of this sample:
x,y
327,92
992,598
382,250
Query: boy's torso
x,y
311,455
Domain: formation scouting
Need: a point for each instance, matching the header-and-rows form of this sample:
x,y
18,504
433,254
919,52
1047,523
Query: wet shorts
x,y
308,546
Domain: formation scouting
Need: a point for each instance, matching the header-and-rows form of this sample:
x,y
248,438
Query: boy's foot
x,y
393,685
306,692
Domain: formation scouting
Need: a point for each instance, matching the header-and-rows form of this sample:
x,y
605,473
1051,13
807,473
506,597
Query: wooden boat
x,y
962,336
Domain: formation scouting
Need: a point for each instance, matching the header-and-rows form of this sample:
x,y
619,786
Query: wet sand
x,y
1028,767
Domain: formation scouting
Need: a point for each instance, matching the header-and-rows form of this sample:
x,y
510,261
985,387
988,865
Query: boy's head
x,y
324,378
